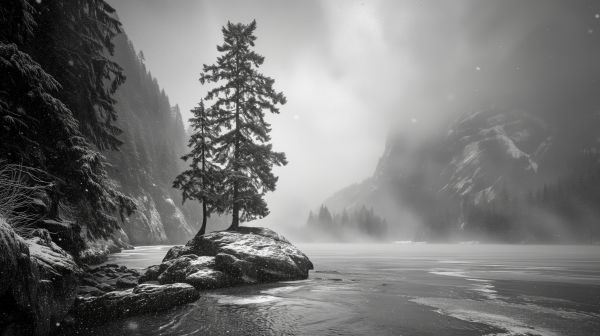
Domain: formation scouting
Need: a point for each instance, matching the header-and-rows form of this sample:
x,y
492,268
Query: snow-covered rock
x,y
38,281
57,281
176,270
99,280
143,298
208,278
226,258
16,280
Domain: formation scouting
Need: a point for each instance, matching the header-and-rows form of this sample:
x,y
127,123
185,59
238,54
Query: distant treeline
x,y
356,224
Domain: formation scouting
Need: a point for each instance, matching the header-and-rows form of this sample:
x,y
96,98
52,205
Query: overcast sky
x,y
352,70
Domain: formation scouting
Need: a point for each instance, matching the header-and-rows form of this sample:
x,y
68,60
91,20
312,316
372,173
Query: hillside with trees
x,y
153,141
88,128
57,113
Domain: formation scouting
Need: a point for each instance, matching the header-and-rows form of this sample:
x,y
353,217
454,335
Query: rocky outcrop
x,y
107,278
112,291
42,287
65,234
141,299
16,279
226,258
218,259
57,279
38,282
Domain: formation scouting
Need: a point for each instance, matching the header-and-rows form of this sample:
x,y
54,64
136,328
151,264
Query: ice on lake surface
x,y
397,289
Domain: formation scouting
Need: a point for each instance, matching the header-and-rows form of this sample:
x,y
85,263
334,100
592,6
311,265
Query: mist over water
x,y
401,289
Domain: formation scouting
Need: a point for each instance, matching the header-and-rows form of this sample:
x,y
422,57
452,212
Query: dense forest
x,y
88,136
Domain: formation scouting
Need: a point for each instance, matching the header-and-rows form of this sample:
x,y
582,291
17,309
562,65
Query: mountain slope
x,y
154,140
482,178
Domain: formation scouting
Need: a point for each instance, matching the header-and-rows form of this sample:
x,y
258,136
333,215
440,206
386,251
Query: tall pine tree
x,y
202,180
239,100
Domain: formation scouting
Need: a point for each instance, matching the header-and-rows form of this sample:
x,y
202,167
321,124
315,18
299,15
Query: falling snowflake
x,y
71,62
478,68
590,31
413,120
597,16
296,117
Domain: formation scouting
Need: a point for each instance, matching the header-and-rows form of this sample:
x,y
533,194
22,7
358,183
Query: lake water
x,y
396,289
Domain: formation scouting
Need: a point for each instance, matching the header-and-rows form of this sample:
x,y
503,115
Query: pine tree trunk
x,y
202,230
204,217
235,216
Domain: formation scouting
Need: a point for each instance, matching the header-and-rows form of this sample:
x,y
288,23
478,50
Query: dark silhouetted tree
x,y
202,181
239,100
324,217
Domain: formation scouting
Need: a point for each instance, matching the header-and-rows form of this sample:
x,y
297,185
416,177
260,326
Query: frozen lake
x,y
396,289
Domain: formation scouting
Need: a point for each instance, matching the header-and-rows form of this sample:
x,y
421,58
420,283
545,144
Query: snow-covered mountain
x,y
491,150
484,160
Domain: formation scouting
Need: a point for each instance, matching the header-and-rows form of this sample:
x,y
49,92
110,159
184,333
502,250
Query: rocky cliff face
x,y
492,150
157,220
145,166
